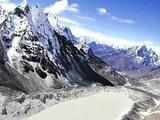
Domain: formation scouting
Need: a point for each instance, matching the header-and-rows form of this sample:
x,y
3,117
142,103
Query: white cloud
x,y
102,11
102,38
73,8
57,8
122,20
61,6
7,5
69,21
87,18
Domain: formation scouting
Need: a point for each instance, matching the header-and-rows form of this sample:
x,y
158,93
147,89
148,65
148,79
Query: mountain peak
x,y
45,56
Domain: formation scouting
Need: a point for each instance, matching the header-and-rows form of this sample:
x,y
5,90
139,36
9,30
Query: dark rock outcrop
x,y
40,58
105,70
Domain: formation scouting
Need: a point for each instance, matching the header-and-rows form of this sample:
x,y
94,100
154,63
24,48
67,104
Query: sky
x,y
130,21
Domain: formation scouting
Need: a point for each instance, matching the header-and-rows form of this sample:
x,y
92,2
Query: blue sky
x,y
135,20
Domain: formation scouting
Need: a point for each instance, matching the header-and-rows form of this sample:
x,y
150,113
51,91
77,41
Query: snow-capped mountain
x,y
144,55
138,58
44,54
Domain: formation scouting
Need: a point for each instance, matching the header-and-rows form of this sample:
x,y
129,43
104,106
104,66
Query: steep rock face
x,y
45,58
106,70
12,78
98,65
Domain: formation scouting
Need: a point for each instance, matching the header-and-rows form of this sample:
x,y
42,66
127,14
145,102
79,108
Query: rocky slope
x,y
44,57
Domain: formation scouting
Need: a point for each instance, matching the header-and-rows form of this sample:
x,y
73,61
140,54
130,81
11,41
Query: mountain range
x,y
40,61
133,61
